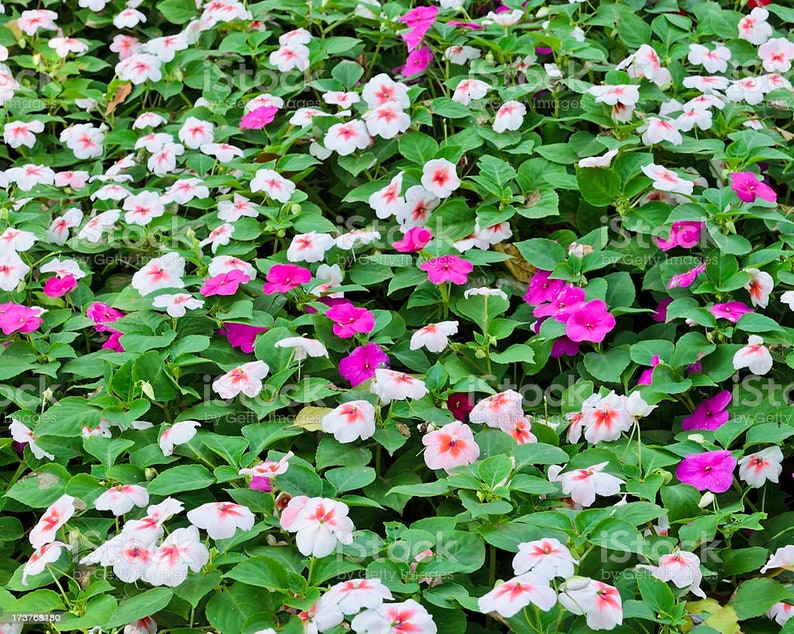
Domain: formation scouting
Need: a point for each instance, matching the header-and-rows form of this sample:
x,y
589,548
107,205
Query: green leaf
x,y
417,147
40,489
190,477
755,597
350,478
262,572
599,187
541,253
517,353
460,552
608,366
107,450
141,605
228,610
178,11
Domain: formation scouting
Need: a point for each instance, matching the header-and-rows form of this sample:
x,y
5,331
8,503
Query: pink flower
x,y
731,311
686,279
224,284
747,187
415,239
350,320
416,62
569,300
282,278
684,234
591,322
241,336
360,365
498,410
542,289
258,118
102,314
710,414
508,598
54,517
564,346
59,286
221,519
447,268
711,470
419,20
19,318
451,446
113,341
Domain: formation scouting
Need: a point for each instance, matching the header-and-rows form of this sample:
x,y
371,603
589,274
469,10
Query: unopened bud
x,y
706,500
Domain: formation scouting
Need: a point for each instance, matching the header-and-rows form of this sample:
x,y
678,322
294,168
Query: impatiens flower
x,y
28,176
160,273
668,181
22,434
520,430
302,347
434,336
680,567
309,247
451,446
177,434
542,289
121,499
656,130
21,133
350,320
395,618
754,356
748,187
361,364
258,118
545,558
510,116
567,303
346,138
221,519
591,322
601,603
418,204
350,421
320,523
781,612
470,90
606,419
58,513
782,558
416,62
177,305
102,314
684,234
707,471
754,28
605,160
584,484
419,20
351,596
382,89
777,55
139,68
223,283
387,121
624,94
29,22
439,177
687,278
710,414
415,239
282,278
273,184
19,318
461,54
731,311
498,410
391,385
180,551
387,201
760,286
508,598
241,336
447,268
264,472
715,61
286,58
246,379
46,554
756,468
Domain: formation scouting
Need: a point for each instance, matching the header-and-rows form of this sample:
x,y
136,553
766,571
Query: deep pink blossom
x,y
350,320
647,375
282,278
419,20
731,311
415,239
102,314
114,341
361,364
711,470
684,234
660,314
416,62
683,280
447,268
542,289
563,346
591,322
567,302
465,25
59,286
258,118
260,483
241,336
710,414
747,187
224,284
19,318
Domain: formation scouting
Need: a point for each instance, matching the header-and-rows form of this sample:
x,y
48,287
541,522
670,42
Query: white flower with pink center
x,y
601,603
46,554
762,466
350,421
195,132
29,22
754,356
680,567
382,89
121,499
309,247
139,68
346,138
159,273
510,116
22,133
181,551
667,181
140,209
58,513
319,524
440,178
28,176
177,434
434,337
754,28
656,130
498,409
546,558
391,385
470,90
273,184
508,598
584,484
395,618
387,202
221,519
292,57
245,379
715,61
58,233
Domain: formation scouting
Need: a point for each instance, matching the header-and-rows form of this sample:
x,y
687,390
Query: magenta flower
x,y
684,234
567,302
241,336
260,483
350,320
747,187
415,239
361,364
460,405
710,414
647,375
282,278
465,25
59,286
542,289
712,470
419,20
447,268
683,280
16,317
591,322
731,311
660,314
114,341
102,314
258,118
416,62
224,284
564,346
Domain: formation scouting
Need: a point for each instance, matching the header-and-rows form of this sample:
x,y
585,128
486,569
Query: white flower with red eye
x,y
121,499
228,263
224,152
154,141
177,434
756,468
163,161
598,161
46,554
303,116
434,337
264,100
12,271
129,19
296,36
28,176
656,130
221,519
691,118
545,558
520,429
177,305
218,237
440,178
19,133
95,228
292,57
606,419
273,184
461,54
754,28
668,181
391,385
451,446
165,48
65,45
754,356
148,120
185,190
233,210
777,55
715,61
16,240
302,347
102,430
387,121
505,18
355,594
142,208
760,286
245,379
395,618
417,207
601,603
139,68
382,89
62,268
387,201
498,409
341,98
268,469
682,568
19,432
510,116
508,598
31,21
54,517
58,233
350,421
583,484
774,81
309,247
132,559
783,557
320,523
181,551
625,94
646,63
346,138
195,132
748,89
125,45
781,612
470,90
157,273
74,179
